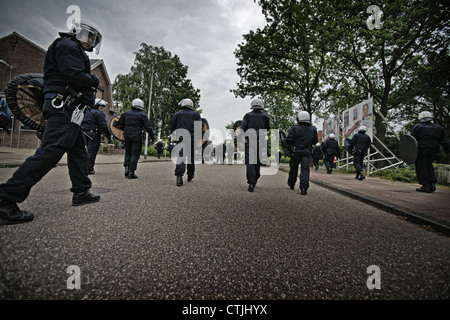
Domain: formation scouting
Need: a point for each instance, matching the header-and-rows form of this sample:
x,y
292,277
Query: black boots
x,y
425,188
303,191
251,187
179,181
132,175
190,177
84,197
11,214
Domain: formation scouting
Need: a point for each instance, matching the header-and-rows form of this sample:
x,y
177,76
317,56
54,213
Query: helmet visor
x,y
89,37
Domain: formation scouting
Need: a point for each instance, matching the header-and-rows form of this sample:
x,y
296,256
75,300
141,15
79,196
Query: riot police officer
x,y
255,120
185,120
361,143
316,155
430,136
66,64
133,122
331,150
302,136
94,124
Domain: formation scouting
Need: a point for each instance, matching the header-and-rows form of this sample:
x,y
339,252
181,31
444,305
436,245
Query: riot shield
x,y
408,148
288,149
25,98
115,132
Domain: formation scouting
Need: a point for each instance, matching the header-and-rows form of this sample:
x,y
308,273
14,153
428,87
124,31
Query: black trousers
x,y
358,161
329,160
133,148
93,144
302,158
60,136
424,167
186,159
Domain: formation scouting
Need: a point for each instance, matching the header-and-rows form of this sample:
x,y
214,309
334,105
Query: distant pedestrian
x,y
430,136
361,143
159,148
302,136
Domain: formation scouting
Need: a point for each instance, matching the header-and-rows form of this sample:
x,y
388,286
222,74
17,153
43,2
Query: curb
x,y
411,216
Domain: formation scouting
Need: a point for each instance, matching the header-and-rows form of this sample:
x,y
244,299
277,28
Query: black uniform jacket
x,y
132,122
66,63
430,136
257,120
95,120
331,146
302,136
184,119
361,142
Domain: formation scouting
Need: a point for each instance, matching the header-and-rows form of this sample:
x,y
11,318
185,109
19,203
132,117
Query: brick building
x,y
19,55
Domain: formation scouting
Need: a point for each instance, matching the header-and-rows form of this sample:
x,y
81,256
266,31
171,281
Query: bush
x,y
407,174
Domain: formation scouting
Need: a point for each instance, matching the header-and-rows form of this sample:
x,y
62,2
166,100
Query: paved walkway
x,y
399,198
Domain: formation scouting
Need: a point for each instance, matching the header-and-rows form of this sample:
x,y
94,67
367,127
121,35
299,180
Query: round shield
x,y
25,98
288,149
408,148
205,130
348,145
238,132
116,132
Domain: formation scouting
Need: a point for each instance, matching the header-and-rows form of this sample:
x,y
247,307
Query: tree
x,y
288,55
386,63
170,85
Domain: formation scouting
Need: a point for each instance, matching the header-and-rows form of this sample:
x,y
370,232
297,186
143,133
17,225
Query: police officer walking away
x,y
361,143
302,136
66,64
94,124
256,120
133,122
430,136
185,119
331,150
159,148
316,155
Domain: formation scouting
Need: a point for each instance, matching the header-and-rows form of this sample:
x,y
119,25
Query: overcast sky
x,y
203,33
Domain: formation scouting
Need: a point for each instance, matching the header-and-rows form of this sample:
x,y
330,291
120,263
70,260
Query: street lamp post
x,y
150,100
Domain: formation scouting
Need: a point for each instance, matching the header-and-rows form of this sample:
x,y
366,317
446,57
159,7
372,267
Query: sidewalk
x,y
399,198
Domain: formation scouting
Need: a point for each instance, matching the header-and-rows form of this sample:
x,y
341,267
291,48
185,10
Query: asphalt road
x,y
212,239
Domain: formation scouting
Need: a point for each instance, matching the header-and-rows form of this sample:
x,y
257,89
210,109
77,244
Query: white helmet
x,y
100,102
318,144
303,116
88,35
137,104
257,104
187,103
332,137
362,129
425,116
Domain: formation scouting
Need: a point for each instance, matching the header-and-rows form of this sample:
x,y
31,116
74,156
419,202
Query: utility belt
x,y
71,102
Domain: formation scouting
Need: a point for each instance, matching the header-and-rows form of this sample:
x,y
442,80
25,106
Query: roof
x,y
24,39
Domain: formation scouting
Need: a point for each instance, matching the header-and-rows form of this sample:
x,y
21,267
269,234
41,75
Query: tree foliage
x,y
170,85
324,54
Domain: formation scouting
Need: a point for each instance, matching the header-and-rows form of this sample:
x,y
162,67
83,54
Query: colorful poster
x,y
357,116
331,126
